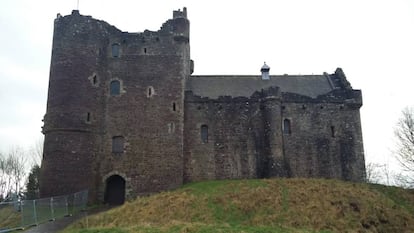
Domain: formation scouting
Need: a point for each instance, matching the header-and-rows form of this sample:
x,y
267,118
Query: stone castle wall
x,y
83,116
120,109
247,139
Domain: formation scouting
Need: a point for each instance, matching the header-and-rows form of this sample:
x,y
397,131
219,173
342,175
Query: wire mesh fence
x,y
20,214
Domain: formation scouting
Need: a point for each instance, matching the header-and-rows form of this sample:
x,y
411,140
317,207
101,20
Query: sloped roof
x,y
242,85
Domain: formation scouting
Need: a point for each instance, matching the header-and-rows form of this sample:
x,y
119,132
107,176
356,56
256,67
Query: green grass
x,y
401,197
195,229
274,205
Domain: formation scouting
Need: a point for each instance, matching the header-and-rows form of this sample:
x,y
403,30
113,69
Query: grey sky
x,y
372,40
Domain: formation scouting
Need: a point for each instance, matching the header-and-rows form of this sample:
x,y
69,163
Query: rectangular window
x,y
204,133
115,88
286,126
115,50
118,144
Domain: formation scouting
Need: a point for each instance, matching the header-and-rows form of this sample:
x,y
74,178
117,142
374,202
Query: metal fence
x,y
21,214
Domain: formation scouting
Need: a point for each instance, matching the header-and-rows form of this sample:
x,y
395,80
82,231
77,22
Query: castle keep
x,y
126,117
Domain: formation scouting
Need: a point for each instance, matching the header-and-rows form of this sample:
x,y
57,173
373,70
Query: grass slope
x,y
274,205
9,217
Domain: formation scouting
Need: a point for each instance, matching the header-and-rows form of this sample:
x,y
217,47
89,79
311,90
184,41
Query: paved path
x,y
55,226
60,224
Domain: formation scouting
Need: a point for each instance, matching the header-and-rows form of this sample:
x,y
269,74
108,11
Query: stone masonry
x,y
126,117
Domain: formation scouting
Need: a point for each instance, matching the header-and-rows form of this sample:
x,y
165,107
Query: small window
x,y
115,88
286,126
145,50
118,144
204,133
94,79
150,92
171,127
115,50
88,117
333,131
174,107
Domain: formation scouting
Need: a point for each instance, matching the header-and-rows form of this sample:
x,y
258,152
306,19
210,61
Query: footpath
x,y
55,226
61,223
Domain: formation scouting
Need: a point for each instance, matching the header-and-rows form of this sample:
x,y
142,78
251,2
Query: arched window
x,y
115,50
204,133
118,144
115,87
286,126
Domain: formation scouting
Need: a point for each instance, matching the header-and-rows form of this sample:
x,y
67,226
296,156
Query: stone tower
x,y
114,120
126,117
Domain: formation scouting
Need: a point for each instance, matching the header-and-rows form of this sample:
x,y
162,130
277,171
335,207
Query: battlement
x,y
178,25
74,31
180,14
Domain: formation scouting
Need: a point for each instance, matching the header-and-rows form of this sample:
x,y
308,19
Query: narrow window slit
x,y
150,91
204,133
286,126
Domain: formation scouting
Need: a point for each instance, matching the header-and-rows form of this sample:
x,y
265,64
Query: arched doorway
x,y
115,190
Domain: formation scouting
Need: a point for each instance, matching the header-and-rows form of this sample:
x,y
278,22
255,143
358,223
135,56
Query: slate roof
x,y
242,85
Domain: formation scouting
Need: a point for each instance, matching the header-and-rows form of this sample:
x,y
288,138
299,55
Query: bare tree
x,y
373,174
17,161
378,174
404,132
12,172
3,176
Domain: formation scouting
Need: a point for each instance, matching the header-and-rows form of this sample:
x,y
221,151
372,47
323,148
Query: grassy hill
x,y
273,205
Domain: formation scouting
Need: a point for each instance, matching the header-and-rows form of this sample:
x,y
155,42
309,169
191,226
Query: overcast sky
x,y
372,40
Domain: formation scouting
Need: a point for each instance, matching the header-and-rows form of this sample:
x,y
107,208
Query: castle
x,y
126,117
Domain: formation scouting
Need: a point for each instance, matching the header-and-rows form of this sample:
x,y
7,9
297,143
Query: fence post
x,y
52,211
66,205
34,212
22,213
85,199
